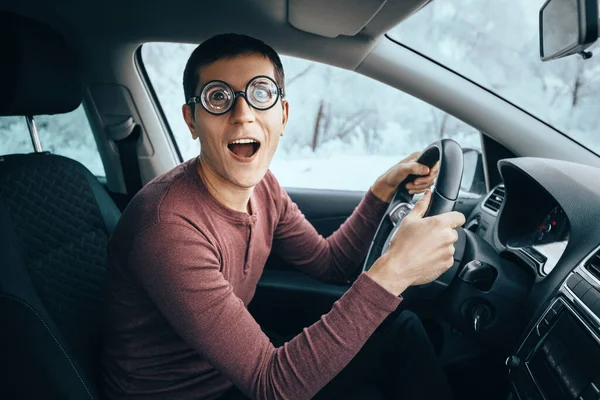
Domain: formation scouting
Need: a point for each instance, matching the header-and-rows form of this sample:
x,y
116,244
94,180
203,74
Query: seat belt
x,y
126,135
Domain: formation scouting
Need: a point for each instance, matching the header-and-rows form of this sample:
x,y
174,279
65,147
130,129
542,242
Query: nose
x,y
241,112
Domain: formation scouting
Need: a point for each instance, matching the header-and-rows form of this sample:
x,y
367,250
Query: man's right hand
x,y
421,250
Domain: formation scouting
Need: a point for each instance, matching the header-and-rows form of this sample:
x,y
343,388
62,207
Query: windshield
x,y
496,44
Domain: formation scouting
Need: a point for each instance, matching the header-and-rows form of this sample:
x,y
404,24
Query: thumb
x,y
421,206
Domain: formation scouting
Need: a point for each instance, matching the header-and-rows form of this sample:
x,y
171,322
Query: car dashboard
x,y
545,219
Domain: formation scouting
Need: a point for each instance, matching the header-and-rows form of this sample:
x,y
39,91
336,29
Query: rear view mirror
x,y
567,27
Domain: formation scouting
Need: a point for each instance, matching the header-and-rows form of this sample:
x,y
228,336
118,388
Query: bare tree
x,y
315,138
577,84
349,122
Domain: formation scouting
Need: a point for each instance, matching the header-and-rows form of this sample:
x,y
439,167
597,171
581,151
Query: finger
x,y
421,206
417,191
453,219
401,171
455,237
422,182
416,168
420,186
432,172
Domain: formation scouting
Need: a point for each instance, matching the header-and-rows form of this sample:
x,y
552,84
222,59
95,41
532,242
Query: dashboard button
x,y
558,307
582,288
551,316
542,327
590,298
596,309
573,281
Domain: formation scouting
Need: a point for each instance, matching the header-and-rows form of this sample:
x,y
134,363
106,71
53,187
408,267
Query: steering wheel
x,y
443,198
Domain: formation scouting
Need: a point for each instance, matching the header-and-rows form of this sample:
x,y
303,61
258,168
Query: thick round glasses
x,y
217,97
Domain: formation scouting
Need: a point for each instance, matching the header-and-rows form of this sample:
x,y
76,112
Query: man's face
x,y
242,165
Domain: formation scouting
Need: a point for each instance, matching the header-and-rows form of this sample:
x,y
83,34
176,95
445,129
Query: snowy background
x,y
496,44
346,129
364,126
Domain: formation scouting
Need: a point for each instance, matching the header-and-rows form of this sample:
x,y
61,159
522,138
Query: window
x,y
14,136
68,135
496,44
344,129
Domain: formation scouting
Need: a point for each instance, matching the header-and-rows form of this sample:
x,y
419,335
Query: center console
x,y
560,357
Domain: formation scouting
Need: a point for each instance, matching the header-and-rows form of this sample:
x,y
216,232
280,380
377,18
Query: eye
x,y
262,93
218,96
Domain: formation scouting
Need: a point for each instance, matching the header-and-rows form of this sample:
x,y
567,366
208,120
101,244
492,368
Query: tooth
x,y
244,141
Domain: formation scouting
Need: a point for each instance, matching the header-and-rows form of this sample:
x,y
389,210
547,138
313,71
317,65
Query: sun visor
x,y
333,18
39,72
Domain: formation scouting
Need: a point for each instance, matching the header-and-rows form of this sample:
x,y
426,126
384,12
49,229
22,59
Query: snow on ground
x,y
336,172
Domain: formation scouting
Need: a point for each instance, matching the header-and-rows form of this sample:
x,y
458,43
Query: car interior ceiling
x,y
53,271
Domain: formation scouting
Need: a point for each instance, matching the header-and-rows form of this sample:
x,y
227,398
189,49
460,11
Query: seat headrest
x,y
39,71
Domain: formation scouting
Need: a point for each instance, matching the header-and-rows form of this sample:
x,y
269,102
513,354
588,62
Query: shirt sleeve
x,y
180,270
333,259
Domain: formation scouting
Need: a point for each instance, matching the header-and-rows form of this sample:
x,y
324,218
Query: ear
x,y
284,115
188,117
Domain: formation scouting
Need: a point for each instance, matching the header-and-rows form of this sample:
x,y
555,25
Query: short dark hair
x,y
227,46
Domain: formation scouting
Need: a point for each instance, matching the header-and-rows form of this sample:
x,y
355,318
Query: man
x,y
189,250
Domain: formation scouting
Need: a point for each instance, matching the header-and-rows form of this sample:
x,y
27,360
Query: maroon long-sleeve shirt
x,y
183,268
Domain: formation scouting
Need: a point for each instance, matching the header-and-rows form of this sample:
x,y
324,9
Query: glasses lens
x,y
217,97
262,93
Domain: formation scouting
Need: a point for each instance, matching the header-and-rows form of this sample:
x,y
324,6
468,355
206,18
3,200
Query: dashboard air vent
x,y
593,266
494,200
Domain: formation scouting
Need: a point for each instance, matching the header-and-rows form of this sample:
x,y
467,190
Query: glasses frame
x,y
192,101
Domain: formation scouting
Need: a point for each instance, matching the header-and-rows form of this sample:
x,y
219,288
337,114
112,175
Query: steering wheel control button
x,y
400,211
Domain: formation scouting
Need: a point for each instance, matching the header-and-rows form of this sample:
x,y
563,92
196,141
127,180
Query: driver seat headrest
x,y
40,73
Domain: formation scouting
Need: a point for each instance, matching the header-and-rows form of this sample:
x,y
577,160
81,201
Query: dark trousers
x,y
397,362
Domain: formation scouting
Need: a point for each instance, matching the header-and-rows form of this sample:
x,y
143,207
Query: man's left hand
x,y
385,186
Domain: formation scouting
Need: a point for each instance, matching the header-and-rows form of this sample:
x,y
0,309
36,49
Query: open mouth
x,y
244,148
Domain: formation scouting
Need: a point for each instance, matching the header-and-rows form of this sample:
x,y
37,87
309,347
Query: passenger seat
x,y
55,221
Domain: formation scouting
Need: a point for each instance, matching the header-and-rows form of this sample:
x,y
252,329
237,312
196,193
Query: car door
x,y
286,299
